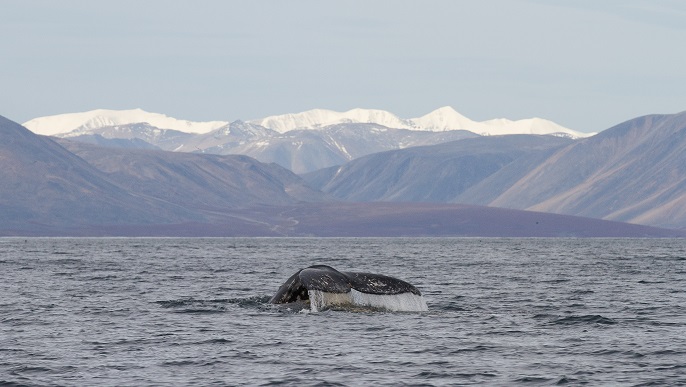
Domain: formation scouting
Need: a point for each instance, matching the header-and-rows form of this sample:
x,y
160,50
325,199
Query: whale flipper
x,y
332,287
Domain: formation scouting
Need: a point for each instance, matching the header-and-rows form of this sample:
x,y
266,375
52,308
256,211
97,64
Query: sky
x,y
585,64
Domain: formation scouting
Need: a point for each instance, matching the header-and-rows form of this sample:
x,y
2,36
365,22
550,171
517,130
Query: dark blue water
x,y
131,312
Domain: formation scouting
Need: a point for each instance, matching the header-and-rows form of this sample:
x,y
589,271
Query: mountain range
x,y
442,119
63,187
134,173
302,142
439,120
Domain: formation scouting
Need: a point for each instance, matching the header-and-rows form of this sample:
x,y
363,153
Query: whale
x,y
325,287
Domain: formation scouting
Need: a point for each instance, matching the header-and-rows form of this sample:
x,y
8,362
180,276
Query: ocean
x,y
172,311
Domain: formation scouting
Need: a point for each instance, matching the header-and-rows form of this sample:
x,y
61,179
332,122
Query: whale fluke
x,y
324,286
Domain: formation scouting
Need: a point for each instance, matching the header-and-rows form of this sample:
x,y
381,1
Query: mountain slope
x,y
438,173
634,172
198,182
44,184
307,150
298,150
99,140
166,139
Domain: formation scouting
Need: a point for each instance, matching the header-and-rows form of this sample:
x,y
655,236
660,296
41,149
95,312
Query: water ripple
x,y
152,311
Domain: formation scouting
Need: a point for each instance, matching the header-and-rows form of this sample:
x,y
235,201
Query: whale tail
x,y
324,287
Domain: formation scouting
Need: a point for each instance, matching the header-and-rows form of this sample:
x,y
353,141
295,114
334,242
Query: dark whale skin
x,y
327,279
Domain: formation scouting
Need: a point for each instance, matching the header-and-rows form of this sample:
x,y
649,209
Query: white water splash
x,y
405,302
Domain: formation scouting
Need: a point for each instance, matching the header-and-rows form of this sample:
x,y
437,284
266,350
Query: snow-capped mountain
x,y
94,119
446,118
319,118
439,120
301,142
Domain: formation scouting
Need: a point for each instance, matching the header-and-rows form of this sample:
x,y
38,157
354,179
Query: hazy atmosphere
x,y
586,65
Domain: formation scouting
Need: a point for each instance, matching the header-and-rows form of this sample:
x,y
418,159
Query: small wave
x,y
102,278
450,306
25,369
583,319
14,350
477,348
432,349
66,261
556,281
544,316
292,307
190,305
434,375
606,352
583,291
8,383
565,380
215,341
668,352
201,363
201,310
532,379
255,301
173,303
452,375
302,380
199,306
613,352
672,367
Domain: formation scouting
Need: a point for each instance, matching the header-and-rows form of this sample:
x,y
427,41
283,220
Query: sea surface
x,y
148,311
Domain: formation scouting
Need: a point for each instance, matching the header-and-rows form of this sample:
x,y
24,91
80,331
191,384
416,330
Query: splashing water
x,y
405,302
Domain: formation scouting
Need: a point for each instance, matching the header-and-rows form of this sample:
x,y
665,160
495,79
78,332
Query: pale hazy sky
x,y
584,64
